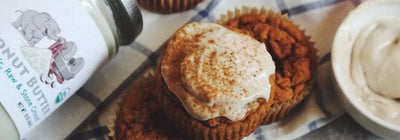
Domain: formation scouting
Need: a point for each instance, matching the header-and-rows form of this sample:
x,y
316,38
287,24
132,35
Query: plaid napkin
x,y
87,114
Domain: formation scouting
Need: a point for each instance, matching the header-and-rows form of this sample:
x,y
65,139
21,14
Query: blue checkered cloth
x,y
86,115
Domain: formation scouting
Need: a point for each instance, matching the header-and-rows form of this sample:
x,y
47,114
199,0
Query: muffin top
x,y
293,53
216,72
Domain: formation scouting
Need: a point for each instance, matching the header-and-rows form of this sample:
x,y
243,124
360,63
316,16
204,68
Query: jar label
x,y
48,50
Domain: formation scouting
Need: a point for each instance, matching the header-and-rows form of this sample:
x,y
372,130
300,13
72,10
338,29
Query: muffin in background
x,y
293,52
139,115
168,6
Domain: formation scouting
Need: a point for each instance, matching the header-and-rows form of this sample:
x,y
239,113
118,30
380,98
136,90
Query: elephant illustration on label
x,y
54,64
34,26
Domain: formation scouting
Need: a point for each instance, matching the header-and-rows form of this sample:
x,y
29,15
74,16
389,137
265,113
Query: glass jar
x,y
49,49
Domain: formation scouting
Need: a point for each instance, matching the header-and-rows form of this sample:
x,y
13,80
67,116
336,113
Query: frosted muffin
x,y
294,56
168,6
215,83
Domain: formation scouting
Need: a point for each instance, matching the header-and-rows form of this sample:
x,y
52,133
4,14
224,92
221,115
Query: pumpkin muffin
x,y
215,83
168,6
139,116
293,53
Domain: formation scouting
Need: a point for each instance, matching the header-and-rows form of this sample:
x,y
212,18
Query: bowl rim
x,y
336,65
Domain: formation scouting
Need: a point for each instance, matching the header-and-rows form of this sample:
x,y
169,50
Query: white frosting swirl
x,y
225,74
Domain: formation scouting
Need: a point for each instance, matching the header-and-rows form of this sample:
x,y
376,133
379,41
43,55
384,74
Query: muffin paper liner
x,y
278,109
168,6
196,129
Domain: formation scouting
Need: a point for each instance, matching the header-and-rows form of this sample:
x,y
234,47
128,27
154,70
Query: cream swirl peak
x,y
377,50
217,72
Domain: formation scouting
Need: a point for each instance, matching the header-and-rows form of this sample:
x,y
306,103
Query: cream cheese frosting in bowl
x,y
222,73
366,66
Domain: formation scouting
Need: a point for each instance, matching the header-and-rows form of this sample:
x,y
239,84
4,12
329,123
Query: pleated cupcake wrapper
x,y
112,134
111,127
168,6
281,109
198,130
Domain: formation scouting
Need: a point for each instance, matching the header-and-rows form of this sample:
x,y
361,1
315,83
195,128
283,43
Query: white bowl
x,y
356,20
